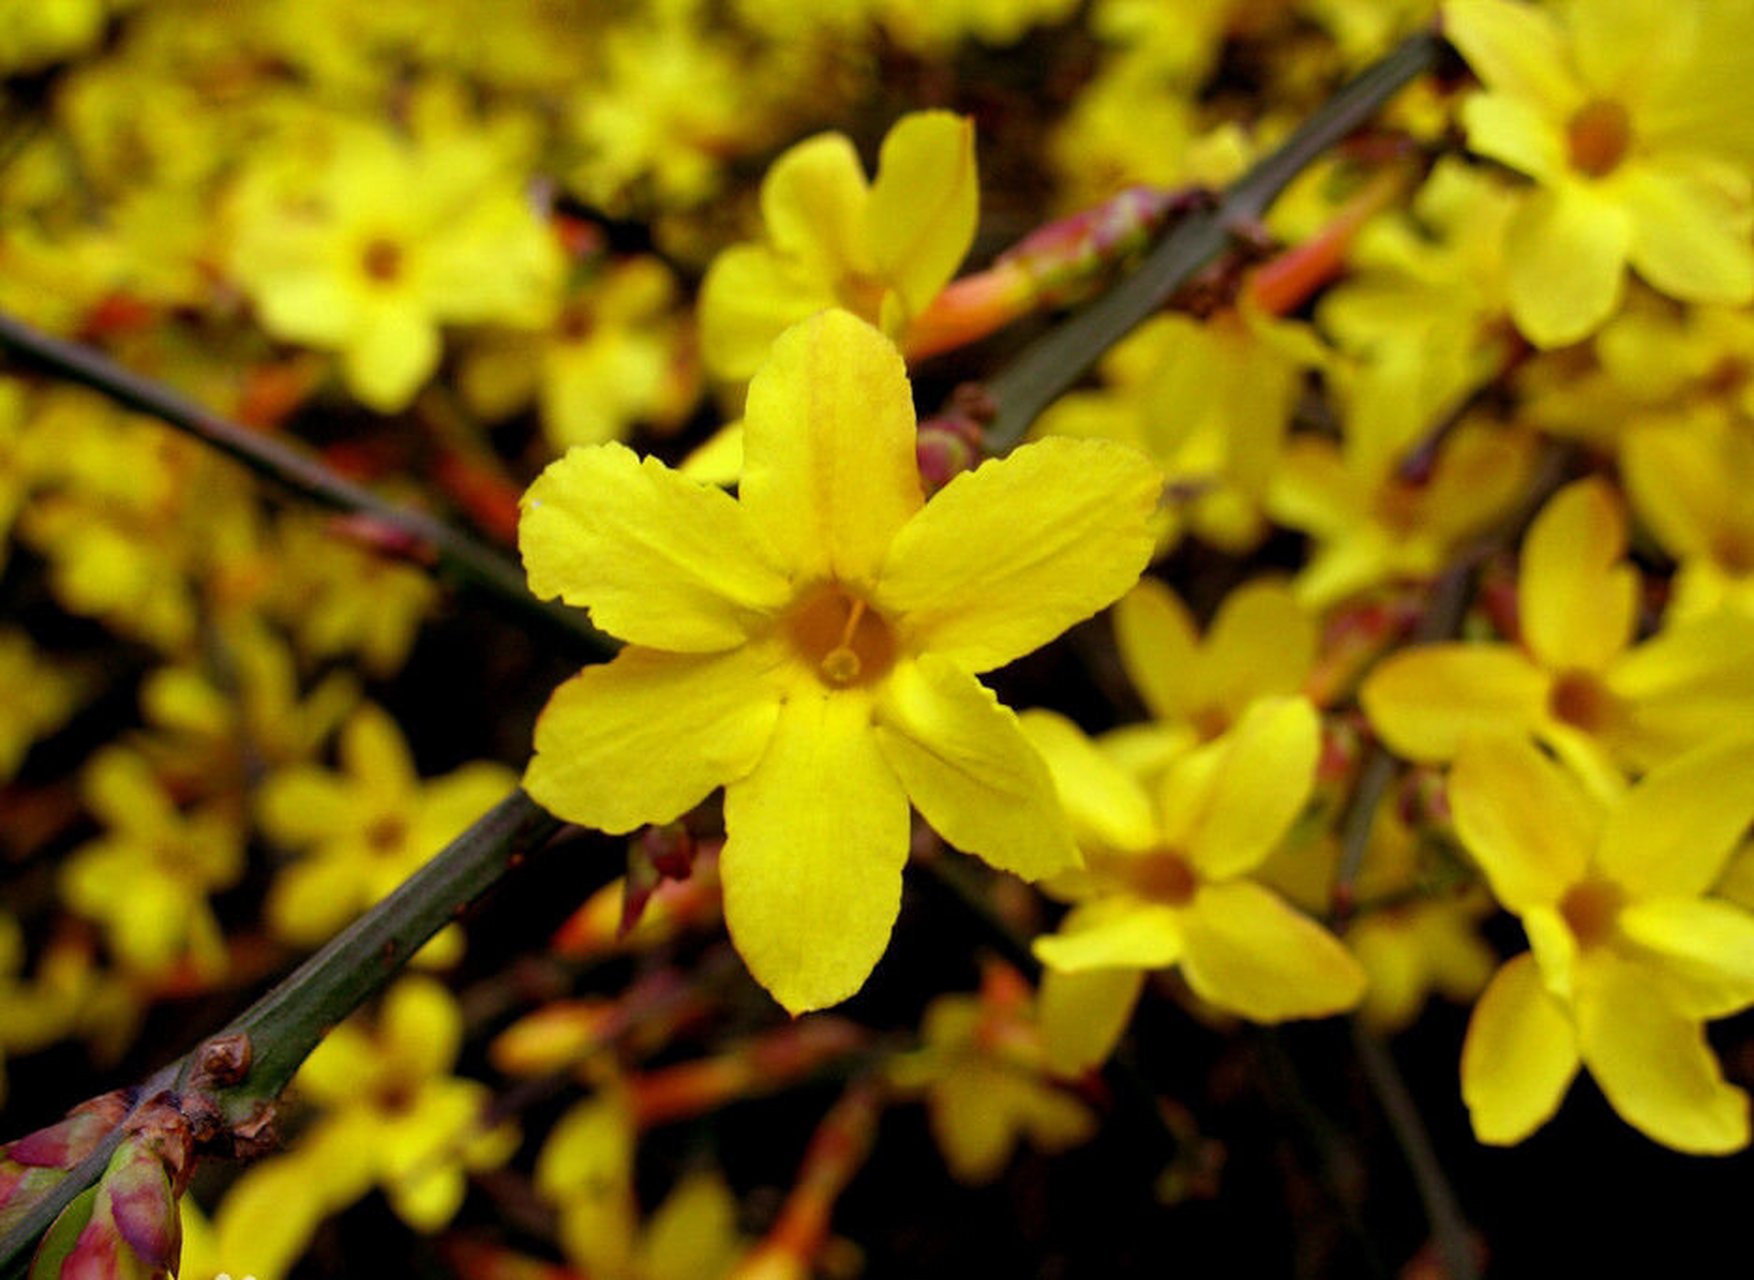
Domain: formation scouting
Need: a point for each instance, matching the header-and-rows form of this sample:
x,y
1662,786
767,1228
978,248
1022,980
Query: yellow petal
x,y
1673,833
303,804
391,353
1261,786
1105,805
1691,222
1519,1058
645,737
1527,824
1565,258
1009,555
376,755
1516,50
1158,648
1685,686
693,1235
421,1026
749,297
970,771
1083,1015
1424,701
659,559
1706,948
312,898
1114,933
924,203
1654,1064
815,841
1515,132
1251,953
1674,475
1262,642
829,472
1578,602
813,204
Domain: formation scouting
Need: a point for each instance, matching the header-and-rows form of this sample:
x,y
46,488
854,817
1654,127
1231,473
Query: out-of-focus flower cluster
x,y
1437,689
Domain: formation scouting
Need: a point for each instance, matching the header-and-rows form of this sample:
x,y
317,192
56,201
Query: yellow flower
x,y
378,247
812,646
982,1067
613,357
1630,956
881,250
366,829
1577,682
147,878
1168,882
1626,117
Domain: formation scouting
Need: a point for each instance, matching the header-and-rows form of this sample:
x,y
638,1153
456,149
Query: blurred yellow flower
x,y
881,250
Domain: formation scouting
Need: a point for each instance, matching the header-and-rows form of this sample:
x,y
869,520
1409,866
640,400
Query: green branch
x,y
287,1023
297,472
279,1031
1054,362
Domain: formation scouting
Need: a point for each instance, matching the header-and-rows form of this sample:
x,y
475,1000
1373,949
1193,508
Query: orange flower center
x,y
382,260
837,633
387,834
1589,910
1165,876
1598,134
1581,700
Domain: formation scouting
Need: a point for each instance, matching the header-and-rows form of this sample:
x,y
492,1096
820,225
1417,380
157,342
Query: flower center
x,y
843,638
387,834
382,260
1581,700
1598,134
1165,876
1589,910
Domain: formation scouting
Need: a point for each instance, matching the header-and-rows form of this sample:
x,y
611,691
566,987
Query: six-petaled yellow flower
x,y
813,644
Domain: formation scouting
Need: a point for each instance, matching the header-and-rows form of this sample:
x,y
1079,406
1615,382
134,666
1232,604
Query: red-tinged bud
x,y
271,392
128,1227
115,314
1423,802
385,539
1283,284
33,1164
1343,739
595,928
658,853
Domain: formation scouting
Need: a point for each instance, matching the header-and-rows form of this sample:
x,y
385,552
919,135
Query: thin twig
x,y
297,472
1449,1228
1057,360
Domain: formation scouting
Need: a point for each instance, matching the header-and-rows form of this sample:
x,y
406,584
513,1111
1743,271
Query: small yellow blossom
x,y
365,829
1615,111
147,878
381,245
813,645
1630,953
982,1067
881,250
1577,682
1168,882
